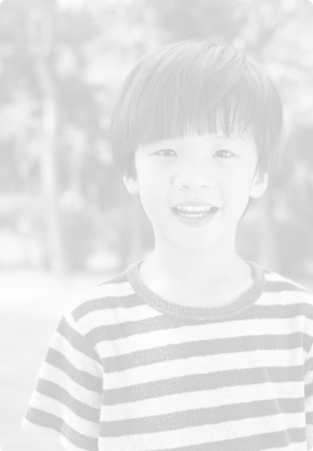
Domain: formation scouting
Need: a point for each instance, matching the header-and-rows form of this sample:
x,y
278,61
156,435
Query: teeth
x,y
200,215
195,209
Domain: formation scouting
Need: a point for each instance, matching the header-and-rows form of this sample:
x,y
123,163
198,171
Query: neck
x,y
194,267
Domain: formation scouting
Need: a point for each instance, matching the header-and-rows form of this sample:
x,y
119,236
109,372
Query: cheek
x,y
149,191
152,180
237,193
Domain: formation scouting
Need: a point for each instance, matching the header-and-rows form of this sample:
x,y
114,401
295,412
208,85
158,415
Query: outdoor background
x,y
66,221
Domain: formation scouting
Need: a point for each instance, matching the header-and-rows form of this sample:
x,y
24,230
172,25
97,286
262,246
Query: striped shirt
x,y
129,371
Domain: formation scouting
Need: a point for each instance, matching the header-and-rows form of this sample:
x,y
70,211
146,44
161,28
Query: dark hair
x,y
195,86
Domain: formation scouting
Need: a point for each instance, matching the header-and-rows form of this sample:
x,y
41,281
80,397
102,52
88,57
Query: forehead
x,y
218,138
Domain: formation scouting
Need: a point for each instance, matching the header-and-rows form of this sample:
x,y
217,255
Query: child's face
x,y
195,189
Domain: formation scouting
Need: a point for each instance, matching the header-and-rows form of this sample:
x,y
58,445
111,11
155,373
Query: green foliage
x,y
61,65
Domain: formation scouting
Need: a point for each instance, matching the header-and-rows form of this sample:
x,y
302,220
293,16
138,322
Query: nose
x,y
194,177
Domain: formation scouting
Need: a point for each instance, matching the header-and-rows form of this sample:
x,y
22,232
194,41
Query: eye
x,y
166,153
224,153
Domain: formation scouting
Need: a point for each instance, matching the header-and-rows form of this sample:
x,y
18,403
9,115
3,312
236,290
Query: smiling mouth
x,y
194,215
194,212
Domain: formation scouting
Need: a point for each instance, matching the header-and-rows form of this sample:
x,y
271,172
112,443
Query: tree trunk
x,y
40,33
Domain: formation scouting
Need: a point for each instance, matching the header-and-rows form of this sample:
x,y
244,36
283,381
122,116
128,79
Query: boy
x,y
193,349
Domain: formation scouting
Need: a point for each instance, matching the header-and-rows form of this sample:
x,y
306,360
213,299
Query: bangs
x,y
196,92
171,114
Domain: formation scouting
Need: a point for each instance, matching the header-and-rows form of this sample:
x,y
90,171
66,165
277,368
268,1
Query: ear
x,y
131,184
260,183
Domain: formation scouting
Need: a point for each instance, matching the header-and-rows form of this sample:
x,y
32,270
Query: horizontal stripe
x,y
163,322
184,334
307,343
272,276
77,341
204,365
279,285
201,348
53,374
164,383
309,390
257,442
100,293
58,393
200,399
231,432
48,420
128,300
309,405
199,417
107,303
308,365
54,407
200,382
286,298
80,377
49,433
113,317
78,359
110,333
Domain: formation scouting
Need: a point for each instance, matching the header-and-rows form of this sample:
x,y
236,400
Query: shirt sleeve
x,y
66,402
308,383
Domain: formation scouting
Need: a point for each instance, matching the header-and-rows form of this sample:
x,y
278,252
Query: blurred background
x,y
66,221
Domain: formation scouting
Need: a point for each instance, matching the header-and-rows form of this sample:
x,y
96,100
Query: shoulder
x,y
102,304
284,290
276,283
